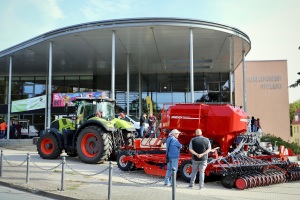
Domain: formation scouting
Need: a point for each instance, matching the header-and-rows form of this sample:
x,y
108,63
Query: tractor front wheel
x,y
93,145
48,147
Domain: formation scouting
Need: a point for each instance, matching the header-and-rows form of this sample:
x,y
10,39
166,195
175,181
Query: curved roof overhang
x,y
154,45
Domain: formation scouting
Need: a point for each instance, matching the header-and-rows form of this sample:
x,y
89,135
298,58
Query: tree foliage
x,y
297,83
293,107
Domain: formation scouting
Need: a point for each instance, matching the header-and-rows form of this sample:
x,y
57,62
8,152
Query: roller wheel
x,y
240,183
124,166
48,147
227,181
93,145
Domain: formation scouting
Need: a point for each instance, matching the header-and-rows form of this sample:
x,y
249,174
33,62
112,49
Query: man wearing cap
x,y
199,147
173,147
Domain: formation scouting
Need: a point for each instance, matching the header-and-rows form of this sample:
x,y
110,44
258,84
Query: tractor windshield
x,y
106,109
84,111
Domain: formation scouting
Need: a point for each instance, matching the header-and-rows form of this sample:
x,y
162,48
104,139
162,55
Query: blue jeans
x,y
142,131
2,134
201,165
173,163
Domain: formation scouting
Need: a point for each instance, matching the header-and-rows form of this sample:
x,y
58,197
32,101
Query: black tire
x,y
47,147
137,133
227,181
112,151
128,138
124,166
93,145
186,171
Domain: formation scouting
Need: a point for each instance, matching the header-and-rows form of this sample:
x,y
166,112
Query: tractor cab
x,y
87,108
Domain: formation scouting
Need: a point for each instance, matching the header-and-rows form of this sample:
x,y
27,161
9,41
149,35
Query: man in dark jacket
x,y
199,147
12,130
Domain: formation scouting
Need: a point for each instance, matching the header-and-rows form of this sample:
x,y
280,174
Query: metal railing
x,y
63,163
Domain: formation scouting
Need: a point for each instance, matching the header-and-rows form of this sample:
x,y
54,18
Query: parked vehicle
x,y
135,121
95,135
27,131
238,159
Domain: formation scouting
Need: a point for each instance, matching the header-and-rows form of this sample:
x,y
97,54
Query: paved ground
x,y
15,194
86,181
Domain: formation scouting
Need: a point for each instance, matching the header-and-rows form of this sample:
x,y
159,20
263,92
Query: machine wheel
x,y
227,181
241,183
48,147
137,133
113,150
124,166
128,137
186,170
93,145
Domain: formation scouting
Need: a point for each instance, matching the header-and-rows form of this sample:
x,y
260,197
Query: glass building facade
x,y
169,59
171,88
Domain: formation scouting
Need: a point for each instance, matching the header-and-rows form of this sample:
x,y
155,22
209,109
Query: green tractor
x,y
94,136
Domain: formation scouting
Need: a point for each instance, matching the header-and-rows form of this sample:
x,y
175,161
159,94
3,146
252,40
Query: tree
x,y
293,107
297,83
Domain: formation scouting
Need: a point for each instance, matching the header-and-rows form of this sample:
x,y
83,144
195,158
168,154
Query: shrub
x,y
271,138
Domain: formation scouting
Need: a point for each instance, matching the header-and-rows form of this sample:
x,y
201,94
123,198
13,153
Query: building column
x,y
244,83
113,55
9,97
230,68
140,94
191,66
128,84
49,85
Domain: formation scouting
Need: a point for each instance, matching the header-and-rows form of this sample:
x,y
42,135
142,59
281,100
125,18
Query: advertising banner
x,y
28,104
66,99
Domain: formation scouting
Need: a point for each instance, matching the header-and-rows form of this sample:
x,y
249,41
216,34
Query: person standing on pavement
x,y
249,126
173,147
143,120
12,130
3,127
18,128
199,147
152,122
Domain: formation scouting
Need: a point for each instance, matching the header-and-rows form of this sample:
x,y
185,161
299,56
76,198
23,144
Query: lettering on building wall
x,y
267,82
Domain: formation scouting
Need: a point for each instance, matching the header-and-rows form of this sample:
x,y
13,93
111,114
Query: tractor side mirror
x,y
122,115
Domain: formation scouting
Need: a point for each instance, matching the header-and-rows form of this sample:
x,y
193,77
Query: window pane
x,y
28,89
179,97
39,89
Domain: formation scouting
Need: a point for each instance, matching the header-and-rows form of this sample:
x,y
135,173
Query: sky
x,y
272,25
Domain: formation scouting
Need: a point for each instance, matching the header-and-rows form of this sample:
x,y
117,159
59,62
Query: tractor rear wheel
x,y
47,147
124,166
93,145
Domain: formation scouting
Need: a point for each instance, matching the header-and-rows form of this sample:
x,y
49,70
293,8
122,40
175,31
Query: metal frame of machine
x,y
240,161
